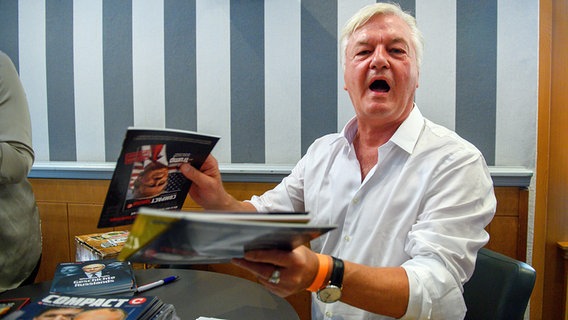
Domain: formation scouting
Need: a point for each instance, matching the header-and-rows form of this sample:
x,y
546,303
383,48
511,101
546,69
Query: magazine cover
x,y
161,237
147,172
54,306
96,277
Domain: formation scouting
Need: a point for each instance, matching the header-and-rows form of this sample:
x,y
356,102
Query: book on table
x,y
84,307
147,172
162,237
95,277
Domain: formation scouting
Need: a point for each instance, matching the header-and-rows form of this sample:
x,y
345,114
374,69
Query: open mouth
x,y
379,86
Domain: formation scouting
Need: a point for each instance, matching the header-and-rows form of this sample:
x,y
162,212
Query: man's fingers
x,y
186,169
192,174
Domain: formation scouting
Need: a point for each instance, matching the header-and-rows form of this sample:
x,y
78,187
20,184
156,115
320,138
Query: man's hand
x,y
207,187
297,268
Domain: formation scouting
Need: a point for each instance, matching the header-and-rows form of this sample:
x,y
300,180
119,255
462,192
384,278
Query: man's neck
x,y
367,154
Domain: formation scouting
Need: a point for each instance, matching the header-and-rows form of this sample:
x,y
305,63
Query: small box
x,y
97,246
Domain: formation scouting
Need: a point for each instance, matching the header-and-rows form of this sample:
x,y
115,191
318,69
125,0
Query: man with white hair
x,y
411,198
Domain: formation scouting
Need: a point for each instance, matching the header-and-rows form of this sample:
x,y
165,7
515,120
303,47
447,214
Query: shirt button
x,y
355,200
347,238
329,314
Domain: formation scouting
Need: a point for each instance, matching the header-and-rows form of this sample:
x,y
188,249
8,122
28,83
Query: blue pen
x,y
157,283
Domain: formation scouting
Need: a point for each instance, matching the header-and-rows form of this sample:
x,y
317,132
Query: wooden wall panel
x,y
556,228
70,190
523,224
503,233
508,229
508,204
241,191
551,207
83,219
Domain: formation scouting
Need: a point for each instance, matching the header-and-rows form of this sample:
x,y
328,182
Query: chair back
x,y
499,288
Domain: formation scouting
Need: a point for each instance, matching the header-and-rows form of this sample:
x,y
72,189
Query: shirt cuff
x,y
433,293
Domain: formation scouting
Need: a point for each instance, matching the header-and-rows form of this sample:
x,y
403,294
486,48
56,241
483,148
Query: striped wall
x,y
264,75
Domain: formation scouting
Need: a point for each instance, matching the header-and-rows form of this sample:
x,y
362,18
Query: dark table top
x,y
198,294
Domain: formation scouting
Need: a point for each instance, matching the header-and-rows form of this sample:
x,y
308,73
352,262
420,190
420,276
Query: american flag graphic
x,y
156,153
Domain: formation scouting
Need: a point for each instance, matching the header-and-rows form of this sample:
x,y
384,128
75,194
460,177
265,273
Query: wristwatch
x,y
332,291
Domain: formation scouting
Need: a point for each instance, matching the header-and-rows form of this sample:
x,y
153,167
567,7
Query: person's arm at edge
x,y
16,161
207,188
16,153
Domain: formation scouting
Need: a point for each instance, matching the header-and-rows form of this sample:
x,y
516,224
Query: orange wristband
x,y
323,270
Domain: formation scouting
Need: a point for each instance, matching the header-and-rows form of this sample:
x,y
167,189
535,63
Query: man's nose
x,y
380,59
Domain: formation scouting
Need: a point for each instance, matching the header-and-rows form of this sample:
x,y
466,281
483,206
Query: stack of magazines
x,y
56,306
94,278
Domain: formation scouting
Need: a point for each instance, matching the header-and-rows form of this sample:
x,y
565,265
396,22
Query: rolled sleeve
x,y
434,293
444,242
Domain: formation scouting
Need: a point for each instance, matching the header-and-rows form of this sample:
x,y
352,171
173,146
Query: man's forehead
x,y
389,28
388,23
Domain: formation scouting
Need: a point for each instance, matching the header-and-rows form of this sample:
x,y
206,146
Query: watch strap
x,y
337,271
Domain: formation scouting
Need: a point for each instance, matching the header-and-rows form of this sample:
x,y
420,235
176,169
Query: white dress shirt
x,y
423,206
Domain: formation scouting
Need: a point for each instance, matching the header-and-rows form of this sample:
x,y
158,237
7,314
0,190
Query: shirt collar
x,y
350,130
405,136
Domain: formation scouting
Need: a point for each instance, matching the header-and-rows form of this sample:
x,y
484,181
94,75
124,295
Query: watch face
x,y
329,294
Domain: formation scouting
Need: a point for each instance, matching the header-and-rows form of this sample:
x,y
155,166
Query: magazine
x,y
55,306
161,237
147,172
95,277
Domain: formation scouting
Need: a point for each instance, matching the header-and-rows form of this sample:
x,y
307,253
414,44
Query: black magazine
x,y
95,278
147,172
162,237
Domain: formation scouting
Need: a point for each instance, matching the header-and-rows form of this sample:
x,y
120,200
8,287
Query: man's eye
x,y
397,51
363,52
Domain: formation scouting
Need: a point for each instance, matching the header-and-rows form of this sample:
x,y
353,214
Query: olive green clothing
x,y
20,233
